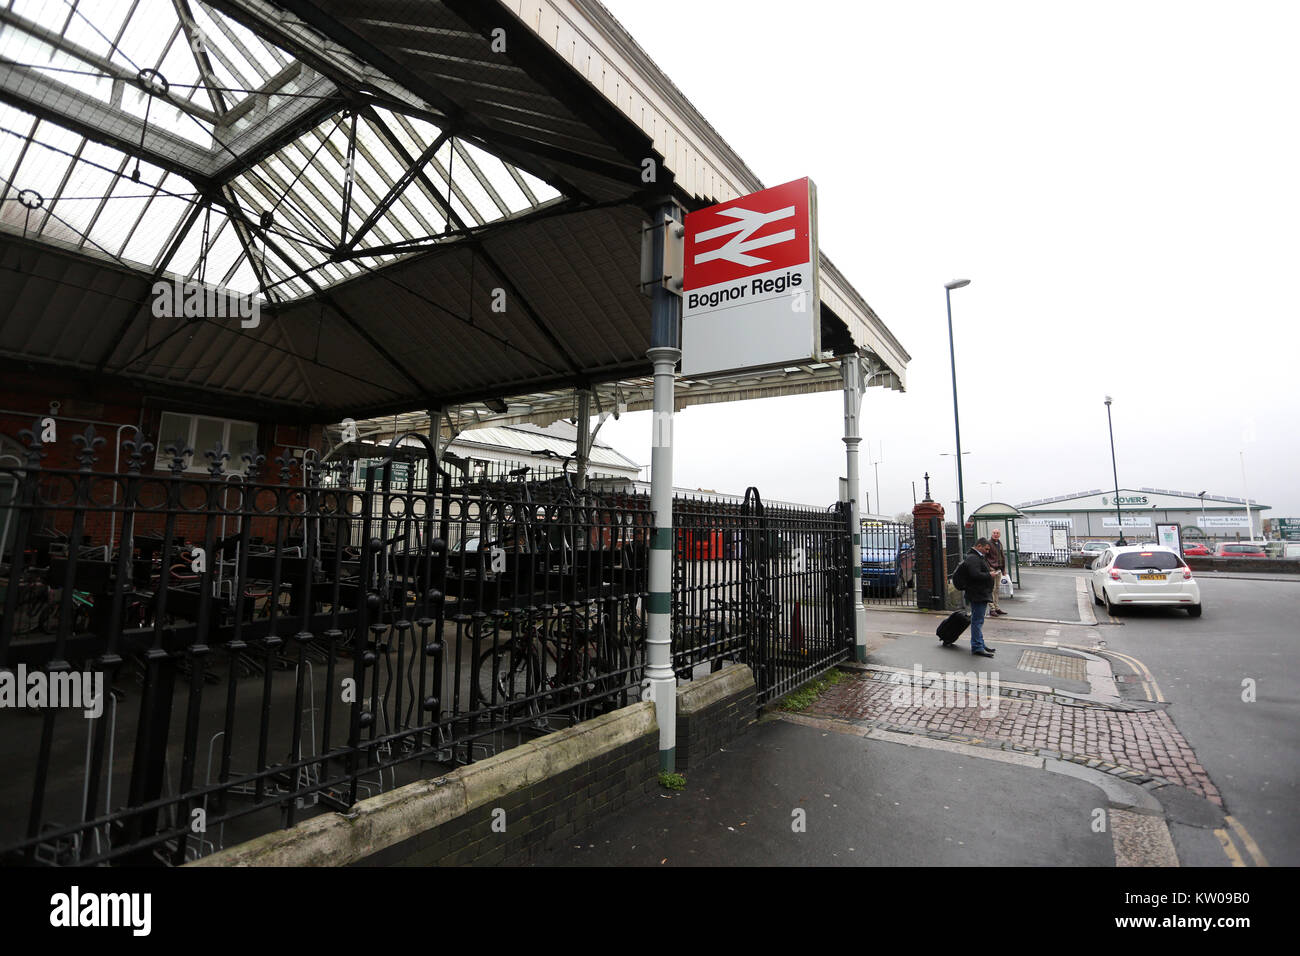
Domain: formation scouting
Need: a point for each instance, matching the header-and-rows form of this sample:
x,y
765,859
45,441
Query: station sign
x,y
750,293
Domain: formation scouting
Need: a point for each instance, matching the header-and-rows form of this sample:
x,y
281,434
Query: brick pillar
x,y
931,561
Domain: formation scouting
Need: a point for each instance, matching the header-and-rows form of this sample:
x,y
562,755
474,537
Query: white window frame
x,y
198,462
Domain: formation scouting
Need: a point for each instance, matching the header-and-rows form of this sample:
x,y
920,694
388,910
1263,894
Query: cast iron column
x,y
583,440
851,367
665,349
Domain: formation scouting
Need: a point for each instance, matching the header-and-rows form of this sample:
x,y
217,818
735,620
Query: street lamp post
x,y
948,454
1250,520
990,484
876,463
956,420
1115,471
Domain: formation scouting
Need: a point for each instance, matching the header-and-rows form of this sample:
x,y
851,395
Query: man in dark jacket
x,y
979,591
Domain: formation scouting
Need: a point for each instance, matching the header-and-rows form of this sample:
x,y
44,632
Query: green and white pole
x,y
659,668
660,683
851,368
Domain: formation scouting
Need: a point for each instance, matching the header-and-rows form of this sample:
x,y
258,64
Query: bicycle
x,y
34,596
83,602
569,662
713,635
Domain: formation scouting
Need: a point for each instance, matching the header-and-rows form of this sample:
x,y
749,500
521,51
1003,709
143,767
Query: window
x,y
1153,560
200,433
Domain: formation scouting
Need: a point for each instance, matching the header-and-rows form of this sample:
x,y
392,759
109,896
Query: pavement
x,y
1058,751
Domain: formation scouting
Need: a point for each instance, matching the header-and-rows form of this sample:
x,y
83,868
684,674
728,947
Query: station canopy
x,y
380,178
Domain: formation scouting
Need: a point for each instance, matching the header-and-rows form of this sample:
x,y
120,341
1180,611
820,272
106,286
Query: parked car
x,y
1092,549
888,561
1196,548
1144,575
1240,549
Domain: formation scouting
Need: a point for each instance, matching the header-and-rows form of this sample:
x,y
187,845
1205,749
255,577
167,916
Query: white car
x,y
1147,574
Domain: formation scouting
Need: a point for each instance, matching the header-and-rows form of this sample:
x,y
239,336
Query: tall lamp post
x,y
990,484
876,463
948,454
1250,520
952,356
1115,471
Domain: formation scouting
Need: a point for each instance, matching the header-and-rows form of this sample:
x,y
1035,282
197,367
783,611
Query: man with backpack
x,y
974,577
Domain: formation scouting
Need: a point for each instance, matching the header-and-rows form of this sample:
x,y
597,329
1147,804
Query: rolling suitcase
x,y
953,627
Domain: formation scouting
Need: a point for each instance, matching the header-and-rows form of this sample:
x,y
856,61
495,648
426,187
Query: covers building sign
x,y
750,288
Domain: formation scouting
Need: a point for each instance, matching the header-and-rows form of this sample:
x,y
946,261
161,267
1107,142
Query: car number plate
x,y
1151,577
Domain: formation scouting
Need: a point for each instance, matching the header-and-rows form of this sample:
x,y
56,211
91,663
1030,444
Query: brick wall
x,y
713,710
26,398
1245,565
503,809
513,829
931,556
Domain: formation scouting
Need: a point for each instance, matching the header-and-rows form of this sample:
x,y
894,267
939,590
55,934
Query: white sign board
x,y
1130,521
1060,539
750,295
1223,521
1033,537
1167,535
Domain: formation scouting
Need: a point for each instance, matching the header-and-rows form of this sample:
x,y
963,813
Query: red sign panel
x,y
758,233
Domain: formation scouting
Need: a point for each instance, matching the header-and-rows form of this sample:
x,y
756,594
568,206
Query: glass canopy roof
x,y
169,137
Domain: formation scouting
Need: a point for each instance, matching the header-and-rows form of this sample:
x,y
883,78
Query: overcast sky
x,y
1118,181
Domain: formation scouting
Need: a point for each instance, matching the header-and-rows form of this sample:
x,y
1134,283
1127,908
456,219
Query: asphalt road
x,y
1248,633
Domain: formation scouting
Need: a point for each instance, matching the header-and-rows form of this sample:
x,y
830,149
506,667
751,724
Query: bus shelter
x,y
1000,516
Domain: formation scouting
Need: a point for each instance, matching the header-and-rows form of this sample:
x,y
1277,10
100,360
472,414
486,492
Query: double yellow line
x,y
1153,693
1247,841
1149,685
1150,688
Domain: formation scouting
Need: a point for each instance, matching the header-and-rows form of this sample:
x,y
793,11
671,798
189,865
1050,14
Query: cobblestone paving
x,y
1141,743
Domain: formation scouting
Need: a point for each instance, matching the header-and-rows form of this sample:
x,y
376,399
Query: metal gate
x,y
888,563
796,584
1042,541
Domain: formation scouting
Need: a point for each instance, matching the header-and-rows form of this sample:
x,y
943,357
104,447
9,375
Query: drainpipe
x,y
117,468
660,684
851,368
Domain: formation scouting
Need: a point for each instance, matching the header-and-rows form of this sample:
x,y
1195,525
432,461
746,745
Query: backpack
x,y
960,578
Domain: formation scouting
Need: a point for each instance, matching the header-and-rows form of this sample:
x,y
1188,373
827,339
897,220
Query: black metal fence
x,y
888,563
1041,542
221,654
267,645
766,585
